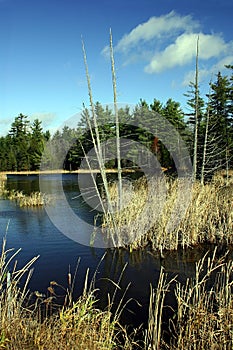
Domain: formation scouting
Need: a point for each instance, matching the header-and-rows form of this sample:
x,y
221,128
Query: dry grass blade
x,y
78,324
153,337
34,199
208,219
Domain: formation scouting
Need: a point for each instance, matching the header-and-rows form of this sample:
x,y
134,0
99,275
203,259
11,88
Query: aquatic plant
x,y
208,218
203,317
3,191
42,325
34,199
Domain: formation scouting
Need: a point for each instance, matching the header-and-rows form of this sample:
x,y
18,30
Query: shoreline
x,y
62,171
4,174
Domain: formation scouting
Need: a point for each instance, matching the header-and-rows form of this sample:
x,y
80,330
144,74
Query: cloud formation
x,y
5,124
183,50
175,37
156,27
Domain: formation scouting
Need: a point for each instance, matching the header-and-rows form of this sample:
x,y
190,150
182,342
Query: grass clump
x,y
207,219
78,324
203,318
34,199
3,190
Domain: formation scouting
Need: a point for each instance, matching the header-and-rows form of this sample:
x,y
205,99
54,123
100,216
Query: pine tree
x,y
36,145
20,136
220,120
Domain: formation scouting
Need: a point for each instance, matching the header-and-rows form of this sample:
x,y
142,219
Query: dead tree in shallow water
x,y
118,150
98,149
196,116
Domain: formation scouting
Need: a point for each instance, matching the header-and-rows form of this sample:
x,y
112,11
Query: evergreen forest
x,y
209,117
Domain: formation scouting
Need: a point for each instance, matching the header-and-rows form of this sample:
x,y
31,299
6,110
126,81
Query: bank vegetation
x,y
202,317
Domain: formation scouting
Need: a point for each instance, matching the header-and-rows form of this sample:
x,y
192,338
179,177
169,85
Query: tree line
x,y
206,129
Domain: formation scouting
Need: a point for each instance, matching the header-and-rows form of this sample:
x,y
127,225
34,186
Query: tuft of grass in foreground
x,y
202,318
75,325
208,218
204,315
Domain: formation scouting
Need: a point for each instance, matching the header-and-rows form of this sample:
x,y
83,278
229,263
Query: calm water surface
x,y
33,232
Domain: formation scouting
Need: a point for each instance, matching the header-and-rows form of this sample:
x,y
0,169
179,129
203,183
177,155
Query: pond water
x,y
31,230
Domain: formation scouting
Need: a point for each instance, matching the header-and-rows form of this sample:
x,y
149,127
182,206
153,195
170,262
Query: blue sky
x,y
41,62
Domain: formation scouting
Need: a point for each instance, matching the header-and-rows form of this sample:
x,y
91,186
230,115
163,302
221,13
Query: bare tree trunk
x,y
196,117
227,165
97,144
205,146
118,150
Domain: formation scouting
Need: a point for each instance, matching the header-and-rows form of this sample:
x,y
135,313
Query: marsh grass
x,y
203,318
35,199
77,324
205,314
3,190
208,218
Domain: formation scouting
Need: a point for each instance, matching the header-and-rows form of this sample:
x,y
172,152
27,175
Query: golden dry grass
x,y
35,199
3,190
203,318
208,218
78,324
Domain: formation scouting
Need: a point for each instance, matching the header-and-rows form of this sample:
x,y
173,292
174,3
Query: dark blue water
x,y
31,230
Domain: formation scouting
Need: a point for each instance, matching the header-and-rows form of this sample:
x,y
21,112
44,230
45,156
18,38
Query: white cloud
x,y
184,50
170,41
106,51
156,27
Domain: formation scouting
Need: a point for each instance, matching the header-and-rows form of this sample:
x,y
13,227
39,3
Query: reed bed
x,y
35,199
78,324
203,318
3,190
208,218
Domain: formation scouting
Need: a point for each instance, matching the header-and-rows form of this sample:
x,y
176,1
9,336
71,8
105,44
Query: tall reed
x,y
3,191
208,218
77,324
203,318
35,199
